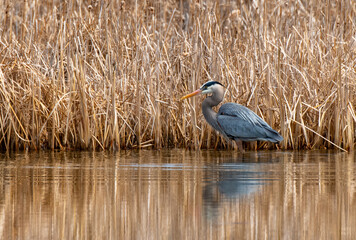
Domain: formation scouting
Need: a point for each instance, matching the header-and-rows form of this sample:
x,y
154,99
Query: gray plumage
x,y
233,120
239,122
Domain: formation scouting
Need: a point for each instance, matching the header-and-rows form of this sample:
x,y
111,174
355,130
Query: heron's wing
x,y
239,122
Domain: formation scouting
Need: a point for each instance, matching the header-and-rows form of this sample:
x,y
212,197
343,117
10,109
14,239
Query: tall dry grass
x,y
108,74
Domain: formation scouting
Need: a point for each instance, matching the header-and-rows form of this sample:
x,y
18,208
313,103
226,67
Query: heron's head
x,y
213,87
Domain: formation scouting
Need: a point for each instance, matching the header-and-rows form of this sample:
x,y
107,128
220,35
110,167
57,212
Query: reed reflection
x,y
178,194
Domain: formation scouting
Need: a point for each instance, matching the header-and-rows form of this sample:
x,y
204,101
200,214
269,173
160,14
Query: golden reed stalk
x,y
109,74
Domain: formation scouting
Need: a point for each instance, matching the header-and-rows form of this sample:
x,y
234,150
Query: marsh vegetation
x,y
109,74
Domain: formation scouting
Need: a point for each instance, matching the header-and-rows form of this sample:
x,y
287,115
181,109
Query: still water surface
x,y
178,194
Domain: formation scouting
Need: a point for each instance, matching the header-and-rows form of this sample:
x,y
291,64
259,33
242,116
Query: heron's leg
x,y
239,145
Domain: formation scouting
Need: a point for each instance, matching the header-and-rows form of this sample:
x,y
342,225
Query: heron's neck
x,y
213,100
208,112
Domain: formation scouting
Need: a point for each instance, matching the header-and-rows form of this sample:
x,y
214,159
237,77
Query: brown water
x,y
178,194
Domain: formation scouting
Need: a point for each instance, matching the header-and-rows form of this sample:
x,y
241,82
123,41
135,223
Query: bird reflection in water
x,y
234,182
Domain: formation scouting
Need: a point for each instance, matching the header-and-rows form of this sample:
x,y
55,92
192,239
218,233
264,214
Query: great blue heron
x,y
233,121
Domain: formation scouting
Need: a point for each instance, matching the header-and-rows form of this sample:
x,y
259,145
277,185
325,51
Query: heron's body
x,y
234,121
240,123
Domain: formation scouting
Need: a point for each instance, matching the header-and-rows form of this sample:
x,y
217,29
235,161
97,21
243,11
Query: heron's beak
x,y
197,92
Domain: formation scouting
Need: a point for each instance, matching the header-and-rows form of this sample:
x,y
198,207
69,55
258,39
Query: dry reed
x,y
108,74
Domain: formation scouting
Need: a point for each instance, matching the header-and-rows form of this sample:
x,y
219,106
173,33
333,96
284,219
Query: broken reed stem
x,y
108,76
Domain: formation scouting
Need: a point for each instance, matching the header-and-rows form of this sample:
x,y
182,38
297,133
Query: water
x,y
178,194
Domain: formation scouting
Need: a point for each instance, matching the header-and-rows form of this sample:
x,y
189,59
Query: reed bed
x,y
109,74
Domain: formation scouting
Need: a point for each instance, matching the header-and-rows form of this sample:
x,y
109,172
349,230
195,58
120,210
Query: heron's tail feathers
x,y
273,136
